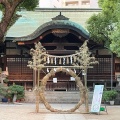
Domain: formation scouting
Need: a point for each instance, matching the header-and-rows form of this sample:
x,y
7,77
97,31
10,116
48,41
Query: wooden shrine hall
x,y
60,36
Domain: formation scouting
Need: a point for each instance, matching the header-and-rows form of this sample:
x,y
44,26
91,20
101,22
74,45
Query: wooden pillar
x,y
4,61
37,93
86,95
34,78
25,86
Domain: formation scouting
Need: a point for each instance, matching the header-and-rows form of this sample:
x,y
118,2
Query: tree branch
x,y
10,9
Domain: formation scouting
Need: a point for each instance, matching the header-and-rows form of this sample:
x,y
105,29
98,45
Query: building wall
x,y
68,4
50,3
94,4
76,3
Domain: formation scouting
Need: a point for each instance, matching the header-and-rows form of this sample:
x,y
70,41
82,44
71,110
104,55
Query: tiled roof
x,y
31,20
54,24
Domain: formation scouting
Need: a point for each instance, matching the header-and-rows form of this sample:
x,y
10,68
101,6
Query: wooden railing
x,y
24,77
100,77
63,85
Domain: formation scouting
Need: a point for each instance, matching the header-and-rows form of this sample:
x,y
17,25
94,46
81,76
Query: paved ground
x,y
26,111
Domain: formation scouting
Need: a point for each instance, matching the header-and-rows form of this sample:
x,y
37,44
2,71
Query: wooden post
x,y
37,101
37,93
34,78
86,95
25,86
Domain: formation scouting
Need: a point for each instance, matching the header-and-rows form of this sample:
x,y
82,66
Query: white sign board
x,y
97,97
72,78
54,80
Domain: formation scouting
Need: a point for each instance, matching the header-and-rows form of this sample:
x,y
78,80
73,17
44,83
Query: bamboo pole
x,y
86,94
37,93
77,67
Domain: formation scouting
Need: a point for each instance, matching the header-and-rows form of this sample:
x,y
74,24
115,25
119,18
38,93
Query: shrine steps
x,y
57,96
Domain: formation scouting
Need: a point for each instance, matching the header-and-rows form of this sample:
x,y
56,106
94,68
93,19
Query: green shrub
x,y
9,92
16,89
109,95
3,90
6,80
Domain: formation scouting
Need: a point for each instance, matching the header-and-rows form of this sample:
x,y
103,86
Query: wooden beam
x,y
61,52
64,44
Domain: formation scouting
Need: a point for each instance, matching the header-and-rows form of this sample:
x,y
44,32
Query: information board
x,y
97,97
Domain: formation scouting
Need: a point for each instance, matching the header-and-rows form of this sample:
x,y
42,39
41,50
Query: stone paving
x,y
25,111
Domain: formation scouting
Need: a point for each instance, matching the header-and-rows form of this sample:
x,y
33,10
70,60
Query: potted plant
x,y
6,80
109,96
3,92
16,92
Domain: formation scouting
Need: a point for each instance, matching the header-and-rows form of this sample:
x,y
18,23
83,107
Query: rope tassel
x,y
51,60
48,60
44,58
47,70
71,59
55,60
68,60
74,58
60,61
74,70
63,61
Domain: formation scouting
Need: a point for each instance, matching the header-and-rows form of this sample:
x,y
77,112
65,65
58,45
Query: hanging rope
x,y
65,56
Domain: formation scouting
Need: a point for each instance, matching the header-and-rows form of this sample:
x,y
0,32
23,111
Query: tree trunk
x,y
14,98
10,9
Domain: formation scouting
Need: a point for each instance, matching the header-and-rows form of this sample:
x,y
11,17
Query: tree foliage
x,y
3,90
102,25
29,4
9,10
10,91
109,95
16,89
115,36
100,2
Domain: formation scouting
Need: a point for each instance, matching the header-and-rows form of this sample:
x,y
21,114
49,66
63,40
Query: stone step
x,y
57,96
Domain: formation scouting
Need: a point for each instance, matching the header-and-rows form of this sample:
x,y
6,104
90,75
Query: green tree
x,y
16,90
101,26
9,10
11,91
3,90
115,35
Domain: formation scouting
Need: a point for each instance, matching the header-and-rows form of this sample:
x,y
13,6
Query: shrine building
x,y
61,32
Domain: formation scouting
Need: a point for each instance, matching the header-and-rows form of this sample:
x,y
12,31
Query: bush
x,y
109,95
3,90
16,89
9,92
6,80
